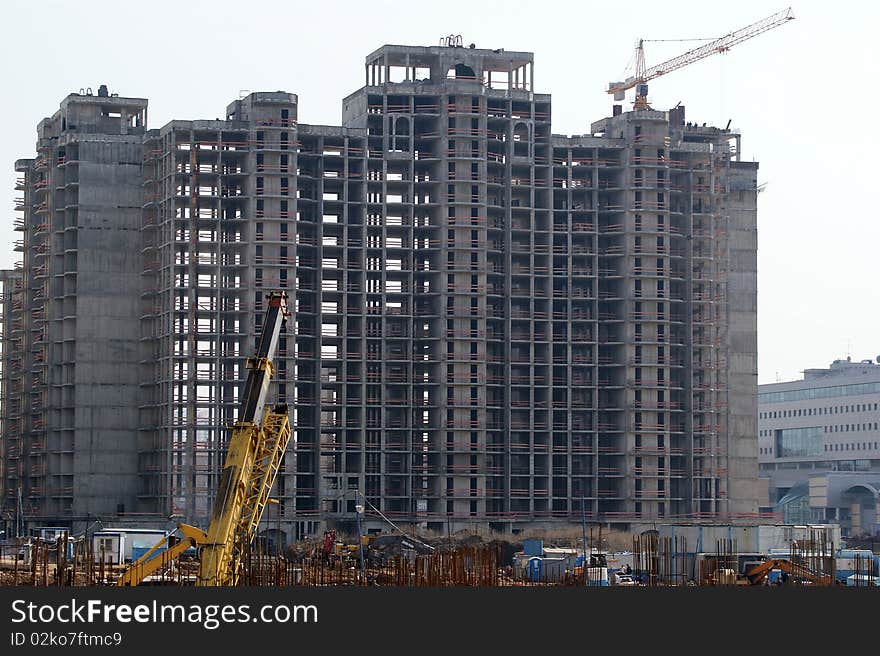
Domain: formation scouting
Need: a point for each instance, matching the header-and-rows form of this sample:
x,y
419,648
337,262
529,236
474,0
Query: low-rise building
x,y
819,446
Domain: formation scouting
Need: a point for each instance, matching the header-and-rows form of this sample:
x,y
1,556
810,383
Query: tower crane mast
x,y
720,45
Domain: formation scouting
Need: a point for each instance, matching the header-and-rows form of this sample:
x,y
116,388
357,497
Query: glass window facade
x,y
819,393
794,442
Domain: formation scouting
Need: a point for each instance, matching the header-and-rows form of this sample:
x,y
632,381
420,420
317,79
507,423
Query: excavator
x,y
333,548
257,445
759,573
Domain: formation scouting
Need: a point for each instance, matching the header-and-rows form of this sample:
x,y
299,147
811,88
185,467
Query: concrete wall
x,y
749,538
107,326
742,284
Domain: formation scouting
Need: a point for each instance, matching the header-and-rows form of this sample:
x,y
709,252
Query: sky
x,y
803,95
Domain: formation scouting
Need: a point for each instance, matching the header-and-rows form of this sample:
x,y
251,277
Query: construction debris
x,y
469,560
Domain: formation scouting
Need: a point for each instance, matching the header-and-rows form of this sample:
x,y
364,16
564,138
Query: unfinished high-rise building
x,y
70,445
491,324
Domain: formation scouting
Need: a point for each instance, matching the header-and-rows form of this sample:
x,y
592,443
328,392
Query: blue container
x,y
137,552
535,568
533,547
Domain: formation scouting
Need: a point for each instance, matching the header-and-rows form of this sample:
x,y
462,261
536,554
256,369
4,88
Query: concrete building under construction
x,y
492,324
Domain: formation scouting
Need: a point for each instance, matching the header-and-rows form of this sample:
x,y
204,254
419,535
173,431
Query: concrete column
x,y
855,512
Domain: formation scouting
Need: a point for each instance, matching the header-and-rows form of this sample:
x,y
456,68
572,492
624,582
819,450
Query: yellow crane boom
x,y
149,564
252,462
255,454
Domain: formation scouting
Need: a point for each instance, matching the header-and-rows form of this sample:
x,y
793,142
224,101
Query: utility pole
x,y
584,529
359,508
19,516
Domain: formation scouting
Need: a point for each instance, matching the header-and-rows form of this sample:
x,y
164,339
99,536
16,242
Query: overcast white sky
x,y
804,95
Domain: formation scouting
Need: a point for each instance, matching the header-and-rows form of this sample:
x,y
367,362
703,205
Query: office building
x,y
819,445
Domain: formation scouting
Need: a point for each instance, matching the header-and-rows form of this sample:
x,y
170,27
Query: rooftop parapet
x,y
256,105
497,69
87,113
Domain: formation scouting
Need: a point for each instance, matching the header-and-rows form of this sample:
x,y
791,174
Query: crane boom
x,y
154,560
252,463
723,44
255,453
758,574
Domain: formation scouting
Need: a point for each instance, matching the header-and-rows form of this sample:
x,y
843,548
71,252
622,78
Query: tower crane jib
x,y
720,45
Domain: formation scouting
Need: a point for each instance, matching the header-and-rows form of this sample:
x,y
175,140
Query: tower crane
x,y
721,45
256,448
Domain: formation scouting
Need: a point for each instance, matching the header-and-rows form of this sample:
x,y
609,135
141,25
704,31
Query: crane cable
x,y
631,63
714,38
379,512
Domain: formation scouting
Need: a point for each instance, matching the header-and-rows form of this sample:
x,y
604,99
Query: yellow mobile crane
x,y
252,463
